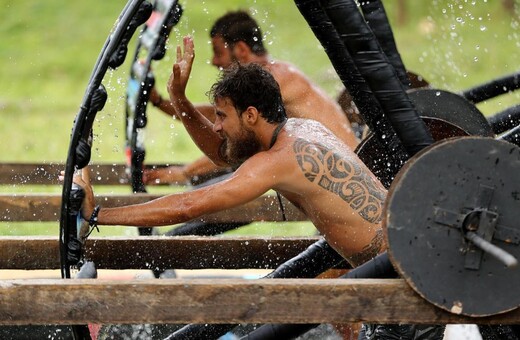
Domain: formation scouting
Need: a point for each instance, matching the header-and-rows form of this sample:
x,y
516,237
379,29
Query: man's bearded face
x,y
241,146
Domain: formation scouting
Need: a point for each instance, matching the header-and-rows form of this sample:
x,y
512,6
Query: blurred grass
x,y
48,49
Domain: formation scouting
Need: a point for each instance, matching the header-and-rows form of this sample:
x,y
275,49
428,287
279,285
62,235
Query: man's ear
x,y
251,115
241,51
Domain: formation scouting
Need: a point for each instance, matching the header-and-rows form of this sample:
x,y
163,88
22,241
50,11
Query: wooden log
x,y
54,301
151,252
38,207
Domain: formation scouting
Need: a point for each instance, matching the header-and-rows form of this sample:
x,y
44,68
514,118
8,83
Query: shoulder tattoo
x,y
341,177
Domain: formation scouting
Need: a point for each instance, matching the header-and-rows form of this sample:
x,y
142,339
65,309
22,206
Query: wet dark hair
x,y
250,85
239,26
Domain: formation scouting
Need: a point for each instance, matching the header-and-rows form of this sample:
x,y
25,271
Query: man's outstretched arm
x,y
185,206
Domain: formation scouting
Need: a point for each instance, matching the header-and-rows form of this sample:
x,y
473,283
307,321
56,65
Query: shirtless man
x,y
299,158
236,37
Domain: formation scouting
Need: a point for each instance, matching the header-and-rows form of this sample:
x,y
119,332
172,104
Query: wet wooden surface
x,y
47,173
150,252
221,301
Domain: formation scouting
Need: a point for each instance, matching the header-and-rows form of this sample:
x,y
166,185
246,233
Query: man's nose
x,y
217,126
214,62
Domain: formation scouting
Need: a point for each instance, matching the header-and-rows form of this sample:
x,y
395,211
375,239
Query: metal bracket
x,y
479,226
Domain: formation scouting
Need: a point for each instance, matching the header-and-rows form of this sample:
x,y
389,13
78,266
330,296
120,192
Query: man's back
x,y
303,99
324,178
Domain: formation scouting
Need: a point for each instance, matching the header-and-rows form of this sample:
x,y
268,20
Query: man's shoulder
x,y
284,69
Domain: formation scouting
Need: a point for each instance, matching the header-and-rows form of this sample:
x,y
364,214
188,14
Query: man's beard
x,y
239,149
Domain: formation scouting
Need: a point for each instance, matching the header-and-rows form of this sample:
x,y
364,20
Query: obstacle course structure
x,y
399,126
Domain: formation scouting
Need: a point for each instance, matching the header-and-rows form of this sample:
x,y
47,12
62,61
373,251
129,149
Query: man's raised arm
x,y
198,126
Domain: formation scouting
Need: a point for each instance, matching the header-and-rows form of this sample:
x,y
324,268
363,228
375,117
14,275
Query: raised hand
x,y
181,70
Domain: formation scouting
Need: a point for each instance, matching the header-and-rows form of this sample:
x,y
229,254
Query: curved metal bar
x,y
93,101
83,117
152,40
512,136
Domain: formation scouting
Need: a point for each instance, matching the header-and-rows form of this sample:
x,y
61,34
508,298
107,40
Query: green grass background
x,y
48,49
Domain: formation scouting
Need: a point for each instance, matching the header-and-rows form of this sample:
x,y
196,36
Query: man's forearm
x,y
166,107
200,129
159,212
200,167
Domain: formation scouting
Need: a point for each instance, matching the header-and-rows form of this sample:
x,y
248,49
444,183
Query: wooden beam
x,y
54,301
38,207
150,252
46,208
47,173
101,174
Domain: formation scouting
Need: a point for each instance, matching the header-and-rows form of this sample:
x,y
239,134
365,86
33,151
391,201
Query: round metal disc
x,y
423,216
452,108
446,115
375,156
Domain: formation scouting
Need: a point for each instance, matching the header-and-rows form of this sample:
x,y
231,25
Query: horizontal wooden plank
x,y
46,208
47,173
222,301
38,207
152,252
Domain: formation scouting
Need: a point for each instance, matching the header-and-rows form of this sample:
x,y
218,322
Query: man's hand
x,y
83,180
169,175
155,97
181,70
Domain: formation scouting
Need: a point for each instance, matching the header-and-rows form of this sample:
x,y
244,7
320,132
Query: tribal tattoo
x,y
370,250
341,177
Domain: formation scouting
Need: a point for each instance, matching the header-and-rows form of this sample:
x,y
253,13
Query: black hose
x,y
378,267
493,88
368,105
377,20
381,77
505,120
316,259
